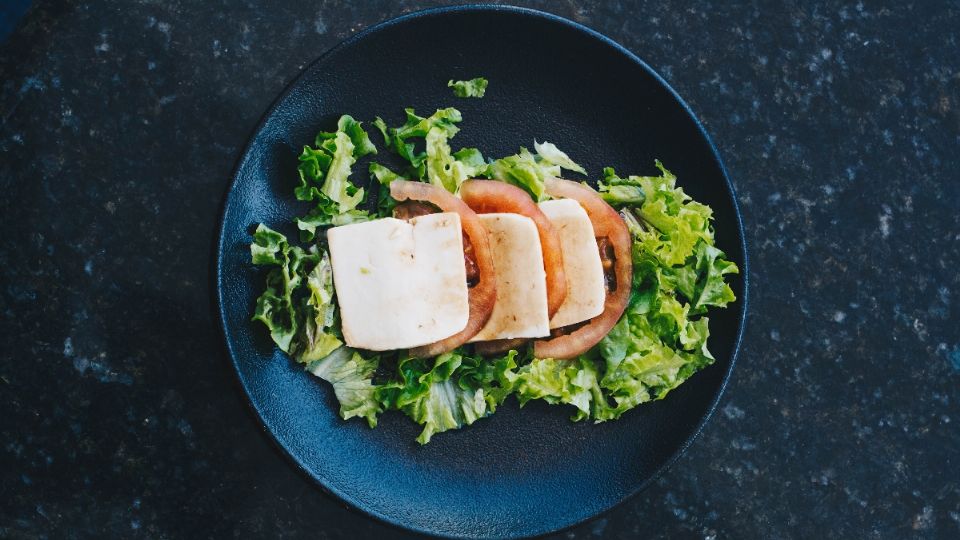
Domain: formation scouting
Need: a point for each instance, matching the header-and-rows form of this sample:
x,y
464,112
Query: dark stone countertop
x,y
840,125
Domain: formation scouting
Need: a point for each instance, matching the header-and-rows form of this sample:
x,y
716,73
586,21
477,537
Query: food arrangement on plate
x,y
472,279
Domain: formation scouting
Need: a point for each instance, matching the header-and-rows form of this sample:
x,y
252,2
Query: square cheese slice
x,y
400,284
581,262
520,310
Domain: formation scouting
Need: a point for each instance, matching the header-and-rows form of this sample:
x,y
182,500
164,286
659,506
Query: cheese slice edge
x,y
399,284
586,292
520,310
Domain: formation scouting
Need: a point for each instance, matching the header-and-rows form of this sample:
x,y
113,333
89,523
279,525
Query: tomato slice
x,y
483,294
491,196
411,209
608,224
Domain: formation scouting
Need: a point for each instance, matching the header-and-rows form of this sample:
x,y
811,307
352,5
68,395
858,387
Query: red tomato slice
x,y
608,224
411,209
483,294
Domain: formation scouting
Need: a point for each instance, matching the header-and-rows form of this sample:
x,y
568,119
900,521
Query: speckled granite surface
x,y
839,124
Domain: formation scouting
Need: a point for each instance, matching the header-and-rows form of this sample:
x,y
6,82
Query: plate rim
x,y
216,274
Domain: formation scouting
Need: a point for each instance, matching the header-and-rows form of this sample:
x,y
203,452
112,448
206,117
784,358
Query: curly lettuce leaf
x,y
319,338
619,196
335,182
638,367
673,222
314,163
323,174
276,306
429,395
319,217
474,88
529,171
702,282
448,392
443,120
384,176
570,382
437,163
351,376
648,354
495,376
268,246
553,155
382,128
353,129
418,126
524,171
662,338
471,157
301,320
619,192
674,233
445,169
324,177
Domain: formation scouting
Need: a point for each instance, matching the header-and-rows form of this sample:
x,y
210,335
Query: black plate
x,y
516,473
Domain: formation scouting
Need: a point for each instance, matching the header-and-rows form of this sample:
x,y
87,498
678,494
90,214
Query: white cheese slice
x,y
400,284
581,262
520,310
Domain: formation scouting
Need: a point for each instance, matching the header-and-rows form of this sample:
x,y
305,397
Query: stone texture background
x,y
840,125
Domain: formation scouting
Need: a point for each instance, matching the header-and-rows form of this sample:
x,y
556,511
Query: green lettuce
x,y
619,192
677,273
269,247
553,155
443,167
384,176
570,382
437,163
276,306
673,222
319,217
471,157
661,340
448,392
359,138
324,177
530,171
654,348
351,376
474,88
619,196
320,311
524,171
643,362
495,376
702,280
416,127
298,304
335,183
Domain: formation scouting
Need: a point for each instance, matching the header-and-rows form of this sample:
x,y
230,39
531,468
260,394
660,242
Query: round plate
x,y
517,473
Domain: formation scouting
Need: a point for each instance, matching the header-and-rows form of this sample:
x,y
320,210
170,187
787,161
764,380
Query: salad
x,y
661,274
